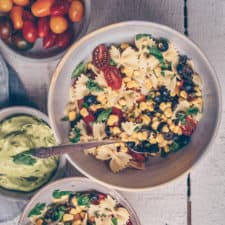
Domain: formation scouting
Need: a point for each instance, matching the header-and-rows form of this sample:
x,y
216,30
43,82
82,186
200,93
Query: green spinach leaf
x,y
192,111
81,68
75,135
139,36
83,200
57,194
157,54
112,62
114,221
93,86
24,158
37,210
104,115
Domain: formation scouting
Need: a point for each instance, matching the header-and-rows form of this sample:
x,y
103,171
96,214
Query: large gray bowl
x,y
76,184
159,171
41,54
12,111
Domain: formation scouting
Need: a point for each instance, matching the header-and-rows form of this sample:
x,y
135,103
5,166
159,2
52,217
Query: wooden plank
x,y
207,28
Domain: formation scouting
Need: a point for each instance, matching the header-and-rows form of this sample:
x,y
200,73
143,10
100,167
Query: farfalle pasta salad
x,y
143,92
80,208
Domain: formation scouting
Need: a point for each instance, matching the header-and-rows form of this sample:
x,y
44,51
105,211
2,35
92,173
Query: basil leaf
x,y
37,210
104,115
137,128
58,194
81,68
139,36
83,200
24,158
174,147
149,97
112,62
93,86
157,54
114,221
192,111
58,214
75,133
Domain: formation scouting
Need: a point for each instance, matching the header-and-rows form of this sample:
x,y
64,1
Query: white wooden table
x,y
166,205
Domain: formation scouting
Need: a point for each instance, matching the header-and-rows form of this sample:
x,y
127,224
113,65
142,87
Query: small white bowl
x,y
12,111
75,184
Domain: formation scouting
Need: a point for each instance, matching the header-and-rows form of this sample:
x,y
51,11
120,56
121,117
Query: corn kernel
x,y
89,66
148,83
172,126
177,130
124,149
134,135
67,217
72,115
124,45
115,130
166,148
142,136
101,98
95,107
128,71
165,129
112,120
143,106
158,114
146,119
150,107
168,112
160,138
163,106
74,201
84,112
155,125
132,84
183,94
152,140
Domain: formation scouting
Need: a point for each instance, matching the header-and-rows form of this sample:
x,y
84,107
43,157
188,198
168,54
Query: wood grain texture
x,y
207,28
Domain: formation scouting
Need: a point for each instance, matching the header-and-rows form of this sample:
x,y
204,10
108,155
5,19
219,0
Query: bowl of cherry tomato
x,y
42,29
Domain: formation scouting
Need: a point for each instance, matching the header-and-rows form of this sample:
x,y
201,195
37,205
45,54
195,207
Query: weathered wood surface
x,y
166,205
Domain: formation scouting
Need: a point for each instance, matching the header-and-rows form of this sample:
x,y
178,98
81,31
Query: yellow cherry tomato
x,y
16,15
42,8
21,2
6,5
58,24
76,11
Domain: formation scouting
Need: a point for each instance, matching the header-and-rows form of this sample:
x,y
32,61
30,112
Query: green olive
x,y
5,28
20,43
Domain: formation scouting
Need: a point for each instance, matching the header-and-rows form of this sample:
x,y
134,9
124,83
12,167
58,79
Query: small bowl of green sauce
x,y
21,129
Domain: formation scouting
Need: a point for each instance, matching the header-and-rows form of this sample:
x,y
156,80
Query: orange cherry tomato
x,y
42,8
16,15
6,5
76,11
21,2
58,24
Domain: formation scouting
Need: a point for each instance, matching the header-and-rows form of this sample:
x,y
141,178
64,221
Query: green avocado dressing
x,y
19,134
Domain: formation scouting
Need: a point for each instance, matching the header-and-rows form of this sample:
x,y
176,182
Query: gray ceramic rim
x,y
81,179
56,57
123,24
17,110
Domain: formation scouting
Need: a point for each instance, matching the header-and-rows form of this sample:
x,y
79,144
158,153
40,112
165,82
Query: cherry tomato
x,y
20,43
101,196
5,28
30,31
60,8
141,98
21,2
63,40
58,24
113,77
43,26
76,11
189,126
16,16
88,120
6,5
80,101
49,40
27,15
117,112
42,8
138,157
101,56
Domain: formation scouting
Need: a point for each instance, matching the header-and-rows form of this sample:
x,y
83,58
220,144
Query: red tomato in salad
x,y
88,120
113,77
30,31
101,56
189,126
117,112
